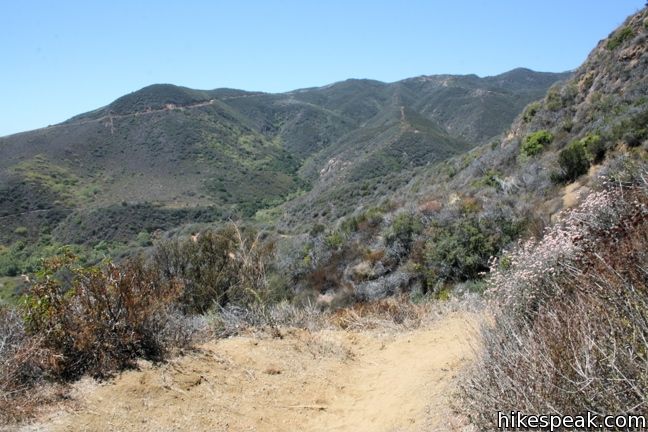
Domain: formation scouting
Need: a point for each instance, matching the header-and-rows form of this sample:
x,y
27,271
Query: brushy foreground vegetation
x,y
80,320
569,325
97,320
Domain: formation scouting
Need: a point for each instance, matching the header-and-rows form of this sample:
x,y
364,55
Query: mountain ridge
x,y
166,156
183,94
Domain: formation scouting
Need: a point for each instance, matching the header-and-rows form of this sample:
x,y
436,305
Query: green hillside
x,y
166,156
435,225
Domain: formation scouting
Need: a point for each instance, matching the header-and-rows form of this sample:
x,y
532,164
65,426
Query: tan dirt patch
x,y
330,380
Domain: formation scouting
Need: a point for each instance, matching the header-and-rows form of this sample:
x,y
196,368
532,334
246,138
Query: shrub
x,y
216,267
554,100
633,131
349,225
569,317
317,229
595,147
9,265
334,240
21,231
203,266
536,142
369,219
461,249
530,111
98,320
489,178
21,368
144,238
620,36
403,230
573,161
567,125
632,139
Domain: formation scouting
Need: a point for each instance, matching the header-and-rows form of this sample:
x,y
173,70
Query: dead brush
x,y
77,321
101,319
22,371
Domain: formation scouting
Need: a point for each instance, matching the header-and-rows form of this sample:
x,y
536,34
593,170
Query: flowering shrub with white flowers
x,y
534,270
568,329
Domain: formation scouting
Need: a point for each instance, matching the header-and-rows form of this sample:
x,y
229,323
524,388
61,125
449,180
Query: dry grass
x,y
391,314
398,313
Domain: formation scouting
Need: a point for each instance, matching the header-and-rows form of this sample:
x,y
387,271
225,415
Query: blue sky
x,y
61,58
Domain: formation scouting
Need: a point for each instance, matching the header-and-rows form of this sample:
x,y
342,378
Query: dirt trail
x,y
320,381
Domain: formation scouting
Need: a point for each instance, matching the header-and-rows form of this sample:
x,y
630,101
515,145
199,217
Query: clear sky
x,y
61,58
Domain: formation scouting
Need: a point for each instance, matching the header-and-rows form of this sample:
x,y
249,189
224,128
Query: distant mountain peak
x,y
157,96
213,153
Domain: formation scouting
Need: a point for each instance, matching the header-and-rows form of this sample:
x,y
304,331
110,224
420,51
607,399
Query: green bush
x,y
317,229
403,229
334,240
595,147
633,138
535,143
530,111
371,218
567,125
490,178
216,267
144,239
22,257
461,249
573,161
8,264
554,100
21,231
619,37
350,225
632,131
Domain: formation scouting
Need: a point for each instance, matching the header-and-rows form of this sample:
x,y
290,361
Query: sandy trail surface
x,y
329,380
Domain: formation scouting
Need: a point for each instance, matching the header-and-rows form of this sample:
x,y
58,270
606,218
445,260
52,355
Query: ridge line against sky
x,y
60,59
